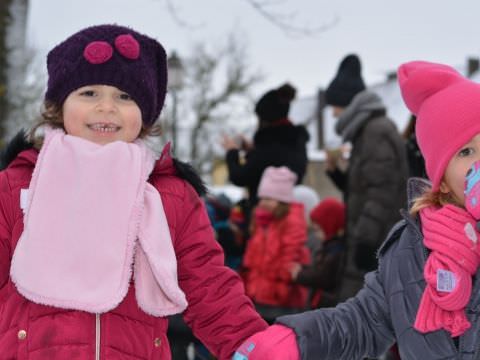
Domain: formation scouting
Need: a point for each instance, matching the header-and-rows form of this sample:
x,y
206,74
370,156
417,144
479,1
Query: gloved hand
x,y
276,342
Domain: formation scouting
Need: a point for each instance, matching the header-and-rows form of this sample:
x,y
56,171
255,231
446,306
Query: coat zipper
x,y
97,336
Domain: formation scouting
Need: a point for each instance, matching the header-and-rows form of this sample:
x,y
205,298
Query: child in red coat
x,y
278,240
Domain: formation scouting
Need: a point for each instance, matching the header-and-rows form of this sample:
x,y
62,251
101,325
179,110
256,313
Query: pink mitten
x,y
275,342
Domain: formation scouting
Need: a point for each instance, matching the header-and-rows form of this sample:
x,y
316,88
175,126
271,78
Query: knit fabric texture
x,y
329,214
80,247
449,232
447,106
277,183
347,83
110,55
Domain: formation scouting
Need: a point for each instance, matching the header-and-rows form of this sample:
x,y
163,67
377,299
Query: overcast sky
x,y
384,33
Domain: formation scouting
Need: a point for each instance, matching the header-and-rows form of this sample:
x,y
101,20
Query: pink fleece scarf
x,y
449,232
90,212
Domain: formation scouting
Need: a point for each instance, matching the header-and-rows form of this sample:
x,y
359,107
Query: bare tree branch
x,y
216,82
286,21
173,10
283,21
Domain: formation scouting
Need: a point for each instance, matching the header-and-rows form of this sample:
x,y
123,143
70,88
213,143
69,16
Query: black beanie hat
x,y
347,83
275,104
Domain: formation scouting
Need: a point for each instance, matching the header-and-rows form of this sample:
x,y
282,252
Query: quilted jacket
x,y
32,331
384,311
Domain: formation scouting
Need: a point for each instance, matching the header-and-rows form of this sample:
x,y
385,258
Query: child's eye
x,y
125,96
465,152
87,93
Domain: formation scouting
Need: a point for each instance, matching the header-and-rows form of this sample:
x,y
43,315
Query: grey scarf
x,y
357,113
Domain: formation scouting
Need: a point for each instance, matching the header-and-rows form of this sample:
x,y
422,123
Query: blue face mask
x,y
472,191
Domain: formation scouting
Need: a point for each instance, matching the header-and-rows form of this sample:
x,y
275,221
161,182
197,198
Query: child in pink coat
x,y
101,239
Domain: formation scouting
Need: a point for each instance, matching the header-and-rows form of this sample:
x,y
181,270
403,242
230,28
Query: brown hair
x,y
52,115
281,210
432,198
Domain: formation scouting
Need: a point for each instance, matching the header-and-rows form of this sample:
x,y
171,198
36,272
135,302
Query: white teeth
x,y
104,127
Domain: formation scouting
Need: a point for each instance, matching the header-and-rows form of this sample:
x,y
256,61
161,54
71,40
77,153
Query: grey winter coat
x,y
377,171
384,311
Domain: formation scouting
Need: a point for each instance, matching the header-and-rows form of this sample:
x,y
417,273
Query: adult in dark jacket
x,y
375,180
277,142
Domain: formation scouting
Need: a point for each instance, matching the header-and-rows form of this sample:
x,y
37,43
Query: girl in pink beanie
x,y
279,234
425,294
101,238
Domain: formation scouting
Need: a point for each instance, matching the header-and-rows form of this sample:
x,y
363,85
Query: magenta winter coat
x,y
32,331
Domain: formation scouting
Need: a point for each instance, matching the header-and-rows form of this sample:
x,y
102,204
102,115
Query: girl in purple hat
x,y
101,239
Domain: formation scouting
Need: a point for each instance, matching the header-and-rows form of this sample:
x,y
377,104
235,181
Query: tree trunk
x,y
18,96
4,23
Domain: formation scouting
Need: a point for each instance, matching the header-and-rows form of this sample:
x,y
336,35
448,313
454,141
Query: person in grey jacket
x,y
425,293
375,181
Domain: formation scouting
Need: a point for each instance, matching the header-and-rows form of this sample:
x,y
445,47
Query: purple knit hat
x,y
110,55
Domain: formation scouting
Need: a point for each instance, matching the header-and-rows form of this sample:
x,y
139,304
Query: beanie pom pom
x,y
286,93
98,52
127,46
419,80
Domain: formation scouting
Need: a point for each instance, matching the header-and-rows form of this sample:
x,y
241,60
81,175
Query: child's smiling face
x,y
102,114
454,178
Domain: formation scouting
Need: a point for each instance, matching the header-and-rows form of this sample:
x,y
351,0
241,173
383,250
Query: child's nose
x,y
106,103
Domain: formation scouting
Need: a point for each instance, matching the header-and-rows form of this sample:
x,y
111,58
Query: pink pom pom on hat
x,y
447,106
277,183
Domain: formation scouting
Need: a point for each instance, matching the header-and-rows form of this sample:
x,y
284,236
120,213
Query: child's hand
x,y
229,143
331,161
245,144
276,342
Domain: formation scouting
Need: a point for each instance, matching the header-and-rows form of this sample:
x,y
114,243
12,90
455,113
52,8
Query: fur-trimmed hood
x,y
166,165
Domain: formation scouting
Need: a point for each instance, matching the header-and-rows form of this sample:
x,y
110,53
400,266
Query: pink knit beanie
x,y
447,107
277,183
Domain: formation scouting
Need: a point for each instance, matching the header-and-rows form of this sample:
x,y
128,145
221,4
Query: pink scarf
x,y
89,218
449,232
